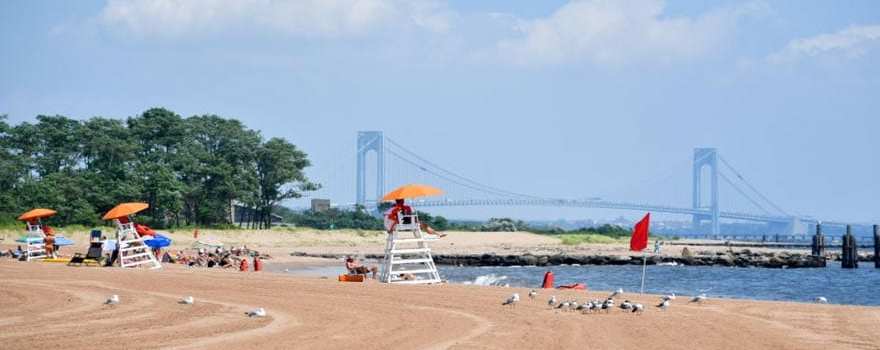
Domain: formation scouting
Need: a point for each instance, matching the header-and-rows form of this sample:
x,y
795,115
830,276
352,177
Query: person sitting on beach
x,y
226,261
355,268
400,208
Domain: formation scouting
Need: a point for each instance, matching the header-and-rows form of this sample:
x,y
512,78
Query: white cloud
x,y
851,42
308,18
621,31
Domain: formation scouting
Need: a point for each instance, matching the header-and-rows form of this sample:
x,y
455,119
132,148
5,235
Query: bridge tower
x,y
706,157
370,141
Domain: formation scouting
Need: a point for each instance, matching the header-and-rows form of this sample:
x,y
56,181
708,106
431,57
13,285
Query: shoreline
x,y
734,259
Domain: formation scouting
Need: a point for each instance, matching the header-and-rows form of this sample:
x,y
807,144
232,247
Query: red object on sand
x,y
548,280
258,264
196,233
244,265
576,286
639,240
144,230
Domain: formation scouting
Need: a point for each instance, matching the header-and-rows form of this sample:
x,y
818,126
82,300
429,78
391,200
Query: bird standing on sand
x,y
821,300
258,312
616,293
670,296
532,294
563,306
608,305
512,300
112,300
552,301
188,300
626,305
638,308
663,305
699,298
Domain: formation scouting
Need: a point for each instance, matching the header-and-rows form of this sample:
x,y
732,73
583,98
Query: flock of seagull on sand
x,y
597,305
189,300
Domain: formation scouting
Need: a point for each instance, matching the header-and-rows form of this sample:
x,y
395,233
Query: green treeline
x,y
189,170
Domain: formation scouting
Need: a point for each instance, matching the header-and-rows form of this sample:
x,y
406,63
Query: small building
x,y
320,205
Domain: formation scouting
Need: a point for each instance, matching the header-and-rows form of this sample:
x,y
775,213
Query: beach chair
x,y
133,252
408,258
93,256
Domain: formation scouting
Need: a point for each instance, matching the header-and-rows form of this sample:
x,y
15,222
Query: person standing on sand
x,y
401,208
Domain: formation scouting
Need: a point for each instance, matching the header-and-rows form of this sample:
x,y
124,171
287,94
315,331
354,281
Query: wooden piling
x,y
850,256
819,242
877,246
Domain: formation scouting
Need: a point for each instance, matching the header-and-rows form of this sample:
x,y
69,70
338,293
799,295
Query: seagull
x,y
563,306
638,309
607,305
112,300
258,312
699,298
532,294
552,301
616,293
512,300
670,296
188,300
573,305
626,305
663,305
583,308
820,300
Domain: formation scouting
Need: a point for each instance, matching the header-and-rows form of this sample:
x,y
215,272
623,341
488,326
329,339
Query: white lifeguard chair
x,y
133,252
35,242
408,258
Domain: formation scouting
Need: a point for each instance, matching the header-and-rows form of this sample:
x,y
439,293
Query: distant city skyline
x,y
569,99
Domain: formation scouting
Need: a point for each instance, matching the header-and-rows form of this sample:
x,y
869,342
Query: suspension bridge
x,y
710,171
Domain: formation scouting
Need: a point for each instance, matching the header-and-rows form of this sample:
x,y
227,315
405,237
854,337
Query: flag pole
x,y
644,267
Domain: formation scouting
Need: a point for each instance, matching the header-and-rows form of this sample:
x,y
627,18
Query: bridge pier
x,y
706,157
370,141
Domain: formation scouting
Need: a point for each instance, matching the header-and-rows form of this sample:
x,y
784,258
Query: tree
x,y
280,175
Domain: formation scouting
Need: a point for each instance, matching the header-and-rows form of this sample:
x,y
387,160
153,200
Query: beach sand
x,y
46,305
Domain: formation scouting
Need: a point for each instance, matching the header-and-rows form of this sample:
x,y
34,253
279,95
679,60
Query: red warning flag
x,y
639,238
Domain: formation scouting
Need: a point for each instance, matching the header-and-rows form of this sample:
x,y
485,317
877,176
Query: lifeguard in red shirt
x,y
391,218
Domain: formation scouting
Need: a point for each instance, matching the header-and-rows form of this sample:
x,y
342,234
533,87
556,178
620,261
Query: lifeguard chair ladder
x,y
408,258
133,252
35,248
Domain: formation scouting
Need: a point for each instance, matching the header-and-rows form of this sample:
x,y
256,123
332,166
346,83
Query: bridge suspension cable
x,y
449,175
751,187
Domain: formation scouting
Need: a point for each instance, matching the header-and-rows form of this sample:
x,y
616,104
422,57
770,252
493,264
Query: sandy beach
x,y
49,305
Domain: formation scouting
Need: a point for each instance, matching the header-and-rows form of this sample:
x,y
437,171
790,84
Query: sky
x,y
568,99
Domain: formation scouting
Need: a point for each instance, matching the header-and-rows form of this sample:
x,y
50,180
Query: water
x,y
839,286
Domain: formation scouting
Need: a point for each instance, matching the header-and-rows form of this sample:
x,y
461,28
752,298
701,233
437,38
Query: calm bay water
x,y
839,286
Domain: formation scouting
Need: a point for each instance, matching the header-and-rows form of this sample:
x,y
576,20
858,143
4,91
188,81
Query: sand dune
x,y
54,306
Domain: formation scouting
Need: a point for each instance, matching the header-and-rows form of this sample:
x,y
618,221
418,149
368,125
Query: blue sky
x,y
557,98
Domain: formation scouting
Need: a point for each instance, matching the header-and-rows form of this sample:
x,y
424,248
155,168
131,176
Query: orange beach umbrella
x,y
36,214
125,209
412,191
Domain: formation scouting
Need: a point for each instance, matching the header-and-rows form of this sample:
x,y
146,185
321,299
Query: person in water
x,y
400,208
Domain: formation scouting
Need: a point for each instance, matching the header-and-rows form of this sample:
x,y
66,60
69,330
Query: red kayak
x,y
576,286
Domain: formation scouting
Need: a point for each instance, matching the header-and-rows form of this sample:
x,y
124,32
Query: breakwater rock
x,y
743,258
